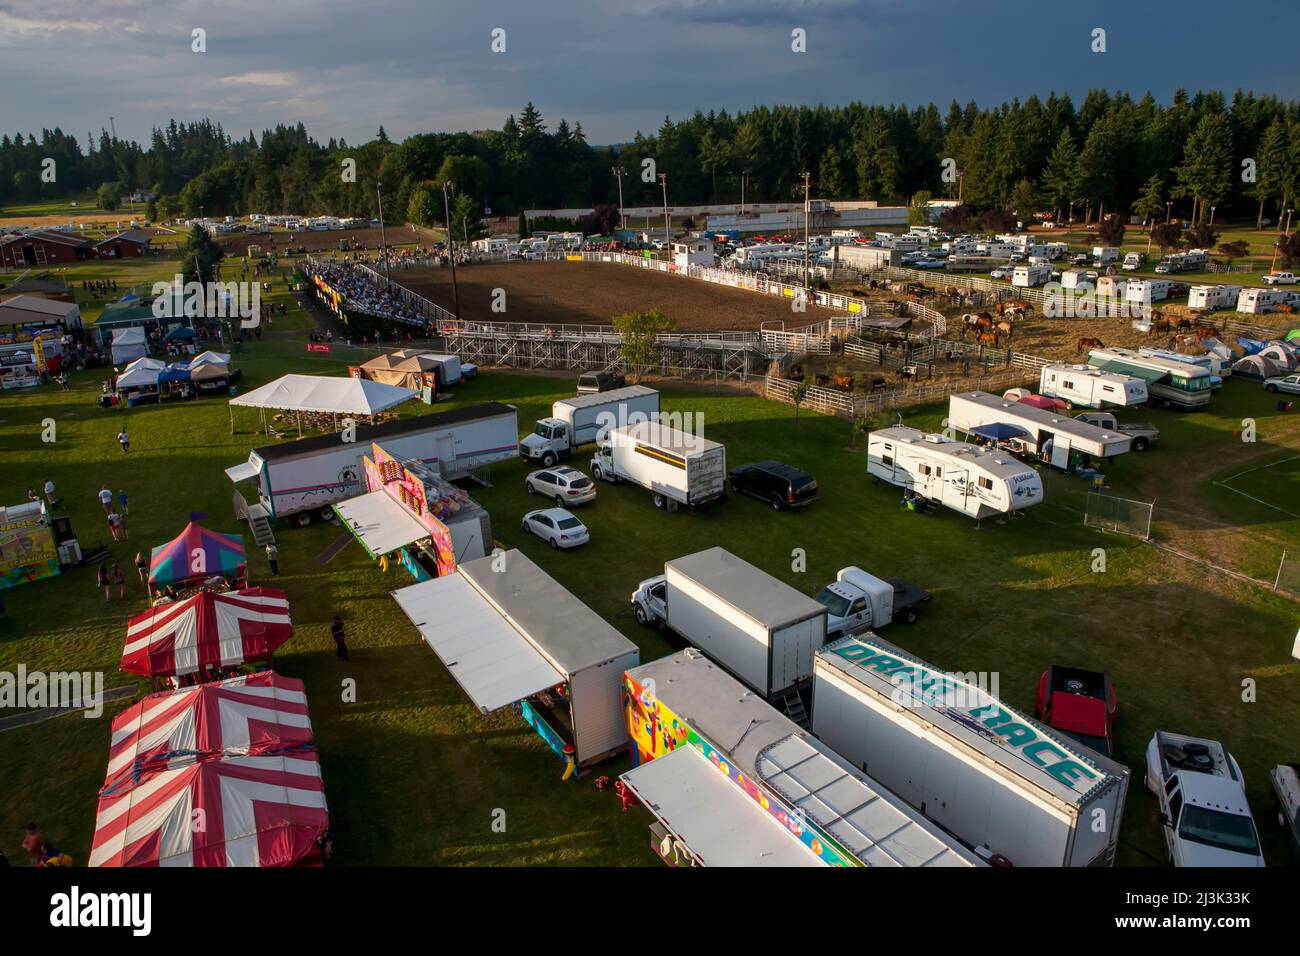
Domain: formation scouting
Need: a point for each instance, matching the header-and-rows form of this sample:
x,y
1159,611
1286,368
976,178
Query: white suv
x,y
562,484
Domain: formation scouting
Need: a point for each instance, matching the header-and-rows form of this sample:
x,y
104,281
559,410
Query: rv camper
x,y
975,481
1087,387
1052,436
1171,382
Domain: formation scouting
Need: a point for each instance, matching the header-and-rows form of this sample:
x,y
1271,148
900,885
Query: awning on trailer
x,y
242,471
493,663
717,821
1000,431
380,523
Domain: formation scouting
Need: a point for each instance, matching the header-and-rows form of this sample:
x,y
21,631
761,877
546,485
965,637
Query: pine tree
x,y
1206,170
1151,202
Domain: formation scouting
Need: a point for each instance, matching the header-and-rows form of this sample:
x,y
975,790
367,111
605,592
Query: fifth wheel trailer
x,y
303,479
754,625
1046,433
987,774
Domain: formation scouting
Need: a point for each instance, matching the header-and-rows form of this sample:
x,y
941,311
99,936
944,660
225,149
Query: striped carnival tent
x,y
229,811
255,714
196,553
207,631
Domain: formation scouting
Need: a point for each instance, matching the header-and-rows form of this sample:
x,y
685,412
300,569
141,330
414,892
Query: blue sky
x,y
617,66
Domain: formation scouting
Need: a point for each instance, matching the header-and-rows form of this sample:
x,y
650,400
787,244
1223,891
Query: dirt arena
x,y
556,293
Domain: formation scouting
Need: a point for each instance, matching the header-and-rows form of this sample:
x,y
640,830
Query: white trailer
x,y
756,626
679,468
1105,254
734,783
510,634
1255,301
1088,387
987,774
1146,291
1171,381
586,419
302,479
1213,296
966,478
1045,433
1030,275
1075,279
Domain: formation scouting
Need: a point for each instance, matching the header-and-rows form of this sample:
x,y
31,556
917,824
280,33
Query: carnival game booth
x,y
321,399
196,639
29,549
512,636
732,782
198,558
411,514
238,754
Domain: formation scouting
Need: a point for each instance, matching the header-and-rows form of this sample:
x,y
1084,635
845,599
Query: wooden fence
x,y
851,404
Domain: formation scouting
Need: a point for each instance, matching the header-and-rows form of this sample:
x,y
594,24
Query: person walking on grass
x,y
50,496
101,579
142,567
339,640
114,524
122,500
124,440
106,499
118,578
273,557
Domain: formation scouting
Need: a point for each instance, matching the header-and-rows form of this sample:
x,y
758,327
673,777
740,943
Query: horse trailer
x,y
1212,297
1256,301
975,481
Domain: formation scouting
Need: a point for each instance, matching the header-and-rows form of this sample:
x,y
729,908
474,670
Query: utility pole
x,y
807,209
961,182
668,229
451,248
113,125
383,240
618,174
744,175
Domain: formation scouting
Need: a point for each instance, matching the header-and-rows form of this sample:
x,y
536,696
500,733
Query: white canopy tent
x,y
331,395
129,344
141,373
209,358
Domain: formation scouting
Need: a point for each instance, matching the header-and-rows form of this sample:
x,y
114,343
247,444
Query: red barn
x,y
30,249
124,245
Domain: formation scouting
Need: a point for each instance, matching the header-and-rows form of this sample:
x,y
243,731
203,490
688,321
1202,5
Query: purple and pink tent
x,y
195,554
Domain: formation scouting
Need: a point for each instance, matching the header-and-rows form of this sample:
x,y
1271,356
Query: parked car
x,y
600,381
1079,259
1206,818
1001,273
1285,778
781,486
1078,703
557,527
1280,278
563,484
1283,383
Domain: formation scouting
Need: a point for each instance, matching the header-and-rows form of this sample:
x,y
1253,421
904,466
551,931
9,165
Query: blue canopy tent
x,y
176,372
182,333
999,432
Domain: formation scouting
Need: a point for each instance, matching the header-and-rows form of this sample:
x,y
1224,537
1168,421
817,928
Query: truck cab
x,y
650,601
857,601
549,441
1206,819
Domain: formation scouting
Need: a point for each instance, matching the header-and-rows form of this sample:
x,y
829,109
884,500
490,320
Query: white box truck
x,y
756,626
987,774
678,468
301,480
586,419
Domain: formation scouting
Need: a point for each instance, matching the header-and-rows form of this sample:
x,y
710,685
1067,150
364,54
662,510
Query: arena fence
x,y
854,404
1122,515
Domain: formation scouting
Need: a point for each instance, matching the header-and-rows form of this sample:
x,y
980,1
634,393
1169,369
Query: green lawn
x,y
413,773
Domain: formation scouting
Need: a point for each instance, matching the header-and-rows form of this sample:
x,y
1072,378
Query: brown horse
x,y
1184,325
1086,343
988,338
1286,308
1159,324
1005,328
1204,332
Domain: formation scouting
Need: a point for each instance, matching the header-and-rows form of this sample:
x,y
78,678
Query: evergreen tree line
x,y
1109,154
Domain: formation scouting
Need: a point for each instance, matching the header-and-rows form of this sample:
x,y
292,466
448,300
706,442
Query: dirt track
x,y
594,292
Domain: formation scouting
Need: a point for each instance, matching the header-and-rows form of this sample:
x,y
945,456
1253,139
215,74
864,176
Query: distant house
x,y
30,249
125,245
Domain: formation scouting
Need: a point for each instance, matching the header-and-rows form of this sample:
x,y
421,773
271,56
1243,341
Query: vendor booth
x,y
212,372
196,557
20,367
511,635
238,755
733,782
412,368
140,377
174,381
129,344
409,511
318,396
207,632
28,544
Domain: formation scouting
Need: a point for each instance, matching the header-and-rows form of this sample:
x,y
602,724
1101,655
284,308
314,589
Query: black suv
x,y
779,485
600,382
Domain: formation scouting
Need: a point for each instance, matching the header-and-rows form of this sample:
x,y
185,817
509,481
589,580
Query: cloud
x,y
260,78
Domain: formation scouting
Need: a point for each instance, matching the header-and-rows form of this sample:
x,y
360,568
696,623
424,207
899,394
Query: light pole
x,y
1169,211
451,247
1212,208
618,174
668,229
383,238
744,175
1288,221
806,209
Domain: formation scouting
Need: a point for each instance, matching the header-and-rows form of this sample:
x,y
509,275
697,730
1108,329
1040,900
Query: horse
x,y
1286,308
1184,324
1159,324
1005,328
1086,343
988,338
1204,332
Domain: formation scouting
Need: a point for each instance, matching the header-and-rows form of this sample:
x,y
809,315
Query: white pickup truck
x,y
1206,819
1142,433
1281,278
857,601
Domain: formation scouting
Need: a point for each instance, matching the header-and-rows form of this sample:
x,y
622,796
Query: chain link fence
x,y
1123,515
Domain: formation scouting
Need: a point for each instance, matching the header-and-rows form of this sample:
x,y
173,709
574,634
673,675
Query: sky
x,y
616,66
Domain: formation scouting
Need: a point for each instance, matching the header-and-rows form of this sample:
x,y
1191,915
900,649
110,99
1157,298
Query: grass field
x,y
413,773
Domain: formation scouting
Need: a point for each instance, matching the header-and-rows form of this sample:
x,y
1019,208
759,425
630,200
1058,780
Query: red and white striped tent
x,y
223,774
255,714
228,811
207,631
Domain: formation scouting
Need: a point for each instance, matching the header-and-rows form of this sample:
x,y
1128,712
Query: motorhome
x,y
1086,387
1057,438
1213,363
1256,301
966,478
1169,382
1031,275
1212,297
